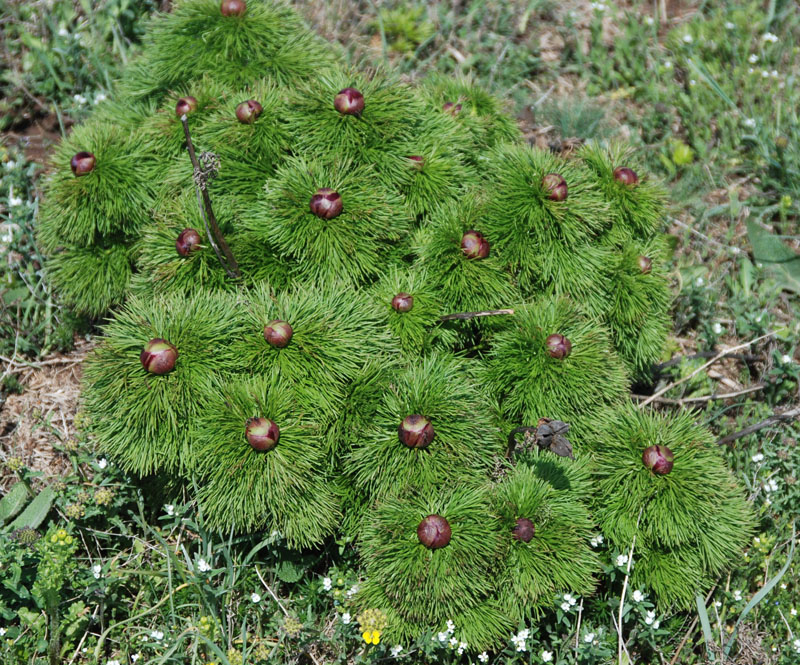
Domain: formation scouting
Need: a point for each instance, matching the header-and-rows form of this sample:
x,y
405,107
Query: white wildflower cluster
x,y
737,595
793,612
749,122
597,540
169,509
622,560
483,657
80,100
547,656
769,37
396,650
717,328
729,25
786,359
444,636
156,635
753,59
255,597
758,457
771,485
327,584
796,645
520,639
346,618
599,6
352,591
569,602
97,570
650,619
688,39
638,596
203,566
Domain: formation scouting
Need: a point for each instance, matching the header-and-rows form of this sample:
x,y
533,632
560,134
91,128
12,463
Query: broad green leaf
x,y
777,257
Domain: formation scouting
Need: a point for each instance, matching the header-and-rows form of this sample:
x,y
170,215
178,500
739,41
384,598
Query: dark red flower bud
x,y
434,532
187,242
625,175
474,245
349,102
402,302
558,346
278,333
524,530
326,203
416,431
262,434
185,106
232,7
247,112
658,459
417,161
452,108
158,356
555,184
645,264
82,163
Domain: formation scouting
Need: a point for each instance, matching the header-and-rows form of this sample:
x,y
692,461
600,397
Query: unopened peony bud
x,y
434,532
262,434
158,356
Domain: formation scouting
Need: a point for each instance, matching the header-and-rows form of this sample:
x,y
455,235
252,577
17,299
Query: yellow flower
x,y
372,636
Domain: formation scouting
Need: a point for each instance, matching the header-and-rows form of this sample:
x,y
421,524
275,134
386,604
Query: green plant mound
x,y
516,297
696,513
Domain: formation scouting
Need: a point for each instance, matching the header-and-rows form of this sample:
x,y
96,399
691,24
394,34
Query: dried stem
x,y
214,234
788,416
474,315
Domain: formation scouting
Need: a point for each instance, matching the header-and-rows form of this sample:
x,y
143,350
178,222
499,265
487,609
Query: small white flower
x,y
570,598
717,604
63,32
483,657
547,656
79,99
783,586
327,584
656,624
793,612
97,570
597,540
668,64
103,463
521,645
688,39
203,566
565,606
769,37
352,591
135,657
461,647
749,122
2,632
450,626
650,618
524,634
774,73
750,70
255,597
717,328
453,641
157,635
699,281
588,638
753,59
169,509
796,645
638,596
346,618
737,595
112,662
729,25
99,97
443,637
622,559
14,201
692,83
757,457
649,20
395,650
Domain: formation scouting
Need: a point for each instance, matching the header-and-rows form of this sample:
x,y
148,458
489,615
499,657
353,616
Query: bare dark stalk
x,y
794,414
473,315
225,256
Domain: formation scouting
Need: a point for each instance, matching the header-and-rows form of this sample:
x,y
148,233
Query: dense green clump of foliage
x,y
325,384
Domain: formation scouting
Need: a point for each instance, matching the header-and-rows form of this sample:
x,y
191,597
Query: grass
x,y
708,97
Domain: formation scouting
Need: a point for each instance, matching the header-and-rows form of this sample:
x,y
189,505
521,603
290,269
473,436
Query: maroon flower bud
x,y
326,203
158,356
402,302
262,433
185,106
416,431
645,264
625,175
434,532
658,459
452,108
232,7
417,161
555,184
247,112
524,530
278,333
187,242
474,245
558,346
349,102
82,163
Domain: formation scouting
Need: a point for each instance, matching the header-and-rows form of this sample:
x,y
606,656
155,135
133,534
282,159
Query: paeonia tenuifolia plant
x,y
332,295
